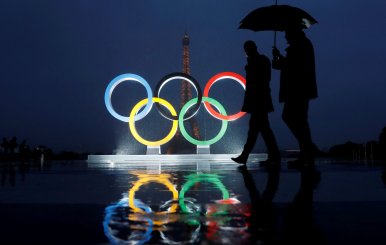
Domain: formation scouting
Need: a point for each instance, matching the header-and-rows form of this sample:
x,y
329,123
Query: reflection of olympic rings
x,y
193,239
193,179
157,179
114,219
172,115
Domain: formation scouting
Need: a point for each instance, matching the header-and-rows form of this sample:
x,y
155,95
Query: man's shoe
x,y
240,159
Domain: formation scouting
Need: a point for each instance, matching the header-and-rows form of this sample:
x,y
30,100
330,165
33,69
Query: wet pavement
x,y
78,202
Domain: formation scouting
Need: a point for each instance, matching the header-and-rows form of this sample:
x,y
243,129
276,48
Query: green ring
x,y
192,140
193,179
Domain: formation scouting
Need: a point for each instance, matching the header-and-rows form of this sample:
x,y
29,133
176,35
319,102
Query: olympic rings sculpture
x,y
170,113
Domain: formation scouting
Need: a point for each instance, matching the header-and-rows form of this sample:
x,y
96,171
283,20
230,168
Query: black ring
x,y
187,78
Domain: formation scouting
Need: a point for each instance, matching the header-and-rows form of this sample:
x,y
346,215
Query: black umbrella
x,y
277,18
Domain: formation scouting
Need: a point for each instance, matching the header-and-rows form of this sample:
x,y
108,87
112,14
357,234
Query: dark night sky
x,y
57,57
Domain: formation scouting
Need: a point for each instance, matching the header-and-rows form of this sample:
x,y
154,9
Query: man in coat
x,y
297,88
258,103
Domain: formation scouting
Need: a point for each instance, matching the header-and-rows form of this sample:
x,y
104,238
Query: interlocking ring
x,y
172,114
209,84
114,83
134,111
202,142
181,76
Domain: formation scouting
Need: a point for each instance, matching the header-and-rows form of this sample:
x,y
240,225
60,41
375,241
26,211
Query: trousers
x,y
259,123
295,115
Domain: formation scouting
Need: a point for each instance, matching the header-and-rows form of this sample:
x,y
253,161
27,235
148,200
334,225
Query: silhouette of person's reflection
x,y
262,222
299,227
297,88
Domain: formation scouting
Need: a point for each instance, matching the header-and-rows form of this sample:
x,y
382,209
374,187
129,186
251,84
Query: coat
x,y
257,96
298,76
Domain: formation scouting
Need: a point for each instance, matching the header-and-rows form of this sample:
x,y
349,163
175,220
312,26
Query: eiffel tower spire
x,y
186,87
179,144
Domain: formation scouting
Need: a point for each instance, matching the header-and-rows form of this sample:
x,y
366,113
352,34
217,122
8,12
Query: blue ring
x,y
128,77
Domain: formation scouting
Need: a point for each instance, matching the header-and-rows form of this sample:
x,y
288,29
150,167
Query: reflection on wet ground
x,y
192,203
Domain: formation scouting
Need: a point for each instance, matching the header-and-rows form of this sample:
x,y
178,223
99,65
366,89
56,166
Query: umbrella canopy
x,y
277,18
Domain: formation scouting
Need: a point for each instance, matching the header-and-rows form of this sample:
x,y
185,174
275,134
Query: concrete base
x,y
184,158
153,150
203,149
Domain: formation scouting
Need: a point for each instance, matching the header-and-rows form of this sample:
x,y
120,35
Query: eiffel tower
x,y
179,145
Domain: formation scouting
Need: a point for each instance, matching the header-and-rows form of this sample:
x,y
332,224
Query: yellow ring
x,y
134,132
158,179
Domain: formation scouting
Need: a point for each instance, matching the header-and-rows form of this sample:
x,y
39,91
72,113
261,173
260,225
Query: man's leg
x,y
269,139
253,132
295,115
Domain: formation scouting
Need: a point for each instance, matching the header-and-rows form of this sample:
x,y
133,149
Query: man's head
x,y
250,48
292,35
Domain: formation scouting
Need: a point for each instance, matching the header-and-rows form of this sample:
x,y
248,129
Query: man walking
x,y
297,88
258,103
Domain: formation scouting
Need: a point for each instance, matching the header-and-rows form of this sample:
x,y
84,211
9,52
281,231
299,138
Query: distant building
x,y
179,145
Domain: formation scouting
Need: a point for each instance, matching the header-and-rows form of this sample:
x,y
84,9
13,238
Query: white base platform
x,y
171,158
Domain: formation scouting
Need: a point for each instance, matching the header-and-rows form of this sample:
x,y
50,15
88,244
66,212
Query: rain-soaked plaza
x,y
182,202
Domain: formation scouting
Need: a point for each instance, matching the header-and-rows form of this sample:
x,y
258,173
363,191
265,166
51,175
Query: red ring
x,y
212,81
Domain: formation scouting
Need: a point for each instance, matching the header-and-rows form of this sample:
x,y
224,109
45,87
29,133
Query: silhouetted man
x,y
258,103
297,88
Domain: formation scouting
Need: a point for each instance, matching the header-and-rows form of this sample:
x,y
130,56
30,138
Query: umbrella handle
x,y
274,39
274,35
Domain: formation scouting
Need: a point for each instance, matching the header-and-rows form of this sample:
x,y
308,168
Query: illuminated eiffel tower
x,y
179,144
